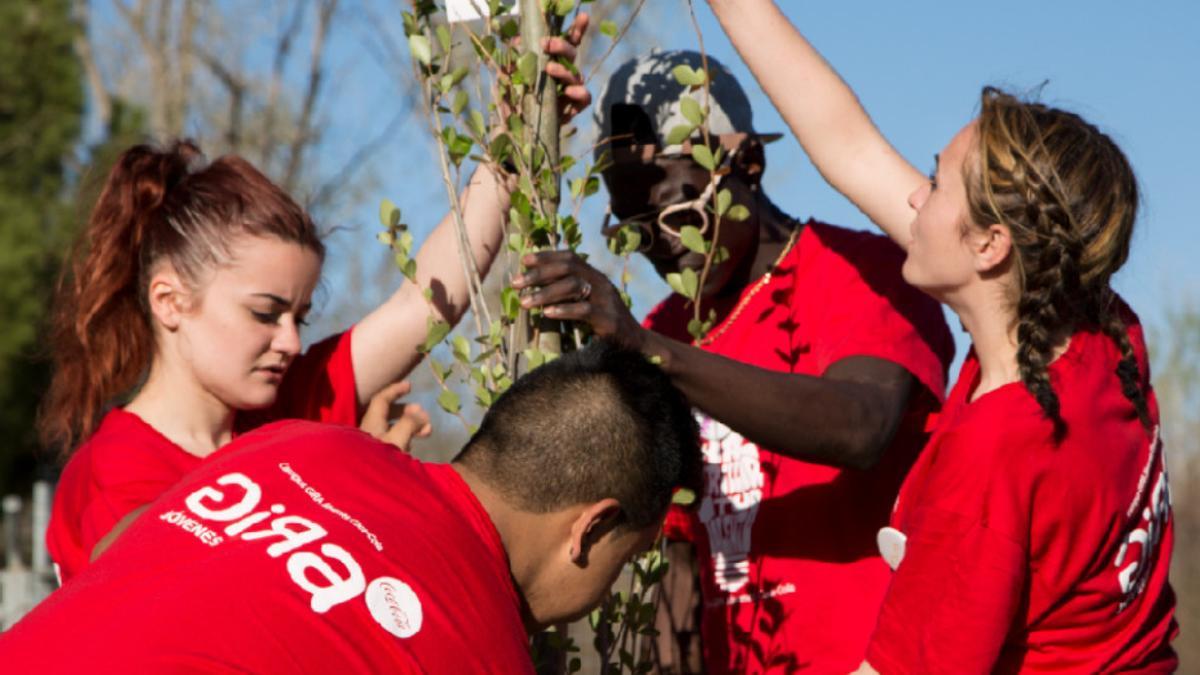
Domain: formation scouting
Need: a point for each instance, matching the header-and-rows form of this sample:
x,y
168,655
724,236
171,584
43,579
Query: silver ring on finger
x,y
585,291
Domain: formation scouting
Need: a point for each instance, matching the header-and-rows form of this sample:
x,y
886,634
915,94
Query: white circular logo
x,y
394,605
892,543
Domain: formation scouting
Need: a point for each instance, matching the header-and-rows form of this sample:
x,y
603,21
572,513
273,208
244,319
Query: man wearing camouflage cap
x,y
812,385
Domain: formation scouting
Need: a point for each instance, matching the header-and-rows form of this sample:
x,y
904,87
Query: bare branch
x,y
283,48
316,73
101,97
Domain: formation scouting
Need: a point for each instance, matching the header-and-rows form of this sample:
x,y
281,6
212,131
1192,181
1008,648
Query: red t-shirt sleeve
x,y
101,485
954,596
319,386
868,309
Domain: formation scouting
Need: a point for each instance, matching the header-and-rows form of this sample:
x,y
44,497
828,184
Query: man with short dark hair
x,y
302,547
814,381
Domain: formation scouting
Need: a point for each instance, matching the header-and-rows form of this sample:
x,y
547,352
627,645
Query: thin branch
x,y
101,97
283,48
316,73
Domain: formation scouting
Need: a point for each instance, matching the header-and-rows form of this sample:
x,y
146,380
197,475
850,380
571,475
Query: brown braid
x,y
1069,198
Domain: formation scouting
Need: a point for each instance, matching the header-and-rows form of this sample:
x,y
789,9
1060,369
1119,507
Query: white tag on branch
x,y
470,10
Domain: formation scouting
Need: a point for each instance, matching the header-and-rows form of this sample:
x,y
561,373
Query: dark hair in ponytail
x,y
1069,197
156,205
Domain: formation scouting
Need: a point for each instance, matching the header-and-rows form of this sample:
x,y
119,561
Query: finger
x,y
417,414
570,311
401,434
564,290
425,431
563,74
379,408
542,275
546,257
579,28
578,95
557,46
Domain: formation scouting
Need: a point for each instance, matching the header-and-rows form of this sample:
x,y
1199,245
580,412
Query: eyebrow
x,y
281,301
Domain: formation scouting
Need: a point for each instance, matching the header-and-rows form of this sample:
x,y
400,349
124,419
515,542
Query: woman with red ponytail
x,y
177,325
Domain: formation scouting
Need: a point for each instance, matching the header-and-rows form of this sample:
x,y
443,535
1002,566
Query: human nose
x,y
287,338
919,196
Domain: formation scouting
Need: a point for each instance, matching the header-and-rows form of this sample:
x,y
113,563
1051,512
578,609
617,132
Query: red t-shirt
x,y
126,463
1026,555
790,574
299,547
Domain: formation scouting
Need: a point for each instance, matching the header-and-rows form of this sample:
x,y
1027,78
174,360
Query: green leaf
x,y
684,283
691,110
527,67
704,157
437,331
534,357
564,7
460,102
609,28
509,30
691,282
478,125
687,76
692,239
448,400
419,46
443,36
389,215
738,213
440,371
724,200
510,301
462,349
696,328
679,134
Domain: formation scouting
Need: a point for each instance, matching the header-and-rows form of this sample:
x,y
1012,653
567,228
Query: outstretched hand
x,y
569,289
575,96
411,420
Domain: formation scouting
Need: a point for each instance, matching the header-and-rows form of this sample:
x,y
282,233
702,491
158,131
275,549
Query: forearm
x,y
439,265
823,112
815,419
386,341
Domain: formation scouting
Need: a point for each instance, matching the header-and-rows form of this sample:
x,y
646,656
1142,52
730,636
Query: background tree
x,y
41,116
1175,358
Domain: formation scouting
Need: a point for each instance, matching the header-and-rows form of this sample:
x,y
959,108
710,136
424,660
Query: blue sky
x,y
1130,68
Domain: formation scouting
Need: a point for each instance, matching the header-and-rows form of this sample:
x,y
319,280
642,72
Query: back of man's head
x,y
601,422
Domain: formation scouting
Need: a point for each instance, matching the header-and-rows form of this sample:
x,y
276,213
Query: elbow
x,y
871,433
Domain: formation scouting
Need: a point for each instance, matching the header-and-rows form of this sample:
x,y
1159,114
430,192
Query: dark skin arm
x,y
844,418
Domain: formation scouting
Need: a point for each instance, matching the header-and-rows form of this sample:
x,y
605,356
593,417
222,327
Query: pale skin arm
x,y
865,669
384,344
824,114
122,524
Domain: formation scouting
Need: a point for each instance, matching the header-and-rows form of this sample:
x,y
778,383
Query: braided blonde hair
x,y
1069,198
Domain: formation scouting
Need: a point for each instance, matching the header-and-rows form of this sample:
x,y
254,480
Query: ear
x,y
590,526
990,247
168,297
750,161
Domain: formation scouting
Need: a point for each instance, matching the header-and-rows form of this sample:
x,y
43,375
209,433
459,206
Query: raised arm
x,y
823,113
384,344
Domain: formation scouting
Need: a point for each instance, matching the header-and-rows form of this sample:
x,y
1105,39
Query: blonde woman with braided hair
x,y
1034,533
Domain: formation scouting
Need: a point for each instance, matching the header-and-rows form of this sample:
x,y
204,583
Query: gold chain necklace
x,y
758,285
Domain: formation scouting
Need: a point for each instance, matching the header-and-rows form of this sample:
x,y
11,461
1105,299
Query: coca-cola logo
x,y
394,605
